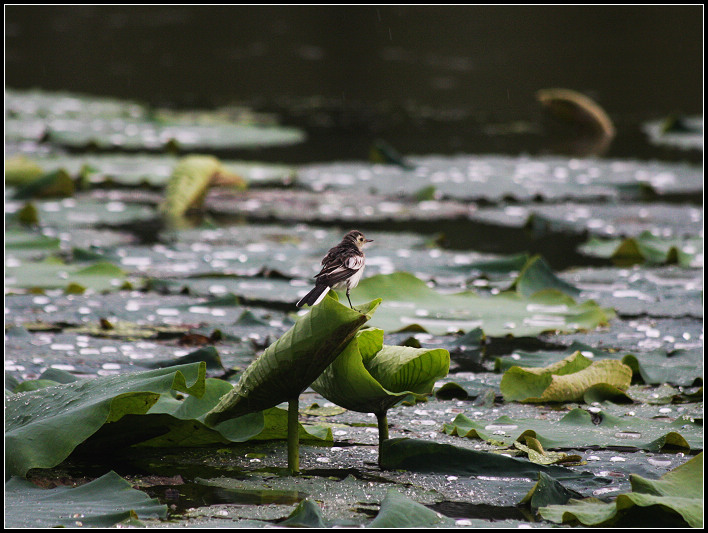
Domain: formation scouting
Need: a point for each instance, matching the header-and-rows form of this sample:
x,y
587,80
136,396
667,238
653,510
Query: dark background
x,y
429,79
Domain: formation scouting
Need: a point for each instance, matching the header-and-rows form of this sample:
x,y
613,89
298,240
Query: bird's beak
x,y
369,240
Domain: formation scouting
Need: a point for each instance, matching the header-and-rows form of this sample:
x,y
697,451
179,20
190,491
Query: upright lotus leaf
x,y
44,426
567,380
293,362
573,107
577,118
190,181
674,500
369,377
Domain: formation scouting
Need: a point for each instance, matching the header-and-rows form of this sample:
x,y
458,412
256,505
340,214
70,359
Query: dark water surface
x,y
428,79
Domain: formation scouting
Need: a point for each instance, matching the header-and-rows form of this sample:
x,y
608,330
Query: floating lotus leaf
x,y
496,177
579,429
306,514
536,275
56,184
44,426
80,122
369,377
685,133
567,380
674,500
648,248
101,503
547,491
400,511
293,362
409,301
53,273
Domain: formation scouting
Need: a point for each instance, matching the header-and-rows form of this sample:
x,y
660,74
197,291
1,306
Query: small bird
x,y
341,267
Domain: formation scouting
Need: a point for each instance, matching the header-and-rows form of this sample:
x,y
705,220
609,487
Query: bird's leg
x,y
350,301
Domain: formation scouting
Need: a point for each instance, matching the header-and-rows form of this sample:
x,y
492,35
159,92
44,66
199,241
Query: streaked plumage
x,y
342,267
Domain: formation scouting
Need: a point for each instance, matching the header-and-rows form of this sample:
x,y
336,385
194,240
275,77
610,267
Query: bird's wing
x,y
337,270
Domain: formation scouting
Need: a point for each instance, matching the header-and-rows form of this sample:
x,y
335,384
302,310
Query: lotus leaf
x,y
408,301
648,248
43,427
677,497
579,429
53,273
370,377
190,181
399,511
294,361
103,502
565,381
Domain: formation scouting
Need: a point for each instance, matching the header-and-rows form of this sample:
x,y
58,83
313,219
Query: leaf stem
x,y
293,437
383,430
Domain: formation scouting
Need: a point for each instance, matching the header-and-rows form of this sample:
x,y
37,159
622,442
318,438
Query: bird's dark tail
x,y
314,296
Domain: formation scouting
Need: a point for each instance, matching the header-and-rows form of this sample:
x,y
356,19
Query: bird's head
x,y
357,237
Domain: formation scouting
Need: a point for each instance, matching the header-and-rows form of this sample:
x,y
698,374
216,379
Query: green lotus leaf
x,y
44,426
293,362
408,301
567,380
103,502
647,248
427,456
52,185
306,514
547,491
184,422
190,181
20,170
369,377
52,273
29,240
675,499
536,275
579,429
399,511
